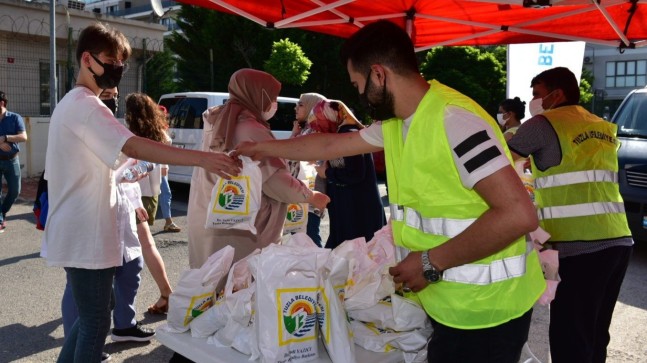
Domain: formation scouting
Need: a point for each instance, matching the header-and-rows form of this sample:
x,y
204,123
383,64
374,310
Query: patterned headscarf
x,y
309,100
328,115
249,90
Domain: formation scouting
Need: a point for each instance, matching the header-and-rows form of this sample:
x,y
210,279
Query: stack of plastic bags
x,y
277,303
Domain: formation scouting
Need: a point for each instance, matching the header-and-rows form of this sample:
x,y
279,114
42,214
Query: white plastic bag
x,y
285,307
296,218
334,326
194,292
395,313
235,202
369,337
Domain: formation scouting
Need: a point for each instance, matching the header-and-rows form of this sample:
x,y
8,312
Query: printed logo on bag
x,y
233,196
299,315
295,213
322,317
198,305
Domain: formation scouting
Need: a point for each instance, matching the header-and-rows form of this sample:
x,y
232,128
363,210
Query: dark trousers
x,y
499,344
581,313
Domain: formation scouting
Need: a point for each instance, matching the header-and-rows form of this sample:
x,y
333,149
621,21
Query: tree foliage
x,y
238,43
586,88
160,75
288,63
472,71
213,45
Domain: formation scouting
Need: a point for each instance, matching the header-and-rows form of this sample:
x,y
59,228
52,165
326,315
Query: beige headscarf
x,y
327,116
249,90
309,100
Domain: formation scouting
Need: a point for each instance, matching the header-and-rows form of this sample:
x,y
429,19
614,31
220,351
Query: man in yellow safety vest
x,y
453,195
575,166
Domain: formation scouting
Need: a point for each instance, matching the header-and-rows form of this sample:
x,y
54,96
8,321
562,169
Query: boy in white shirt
x,y
86,144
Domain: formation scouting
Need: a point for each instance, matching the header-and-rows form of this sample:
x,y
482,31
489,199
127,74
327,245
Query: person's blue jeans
x,y
126,284
92,291
314,221
10,171
165,198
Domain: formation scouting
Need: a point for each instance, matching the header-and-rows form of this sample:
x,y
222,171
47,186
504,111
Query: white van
x,y
185,116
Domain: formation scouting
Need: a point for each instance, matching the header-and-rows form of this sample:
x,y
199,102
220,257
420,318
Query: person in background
x,y
511,112
86,144
12,131
453,193
244,117
165,191
355,208
574,158
302,110
145,119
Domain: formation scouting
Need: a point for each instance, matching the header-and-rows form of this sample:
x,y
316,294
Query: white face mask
x,y
500,119
269,114
535,106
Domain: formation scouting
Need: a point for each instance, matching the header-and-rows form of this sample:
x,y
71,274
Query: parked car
x,y
631,118
185,122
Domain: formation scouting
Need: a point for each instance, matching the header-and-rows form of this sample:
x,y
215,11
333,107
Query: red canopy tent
x,y
619,23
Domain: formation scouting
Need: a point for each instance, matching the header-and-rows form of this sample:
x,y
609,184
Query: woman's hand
x,y
319,200
142,215
321,169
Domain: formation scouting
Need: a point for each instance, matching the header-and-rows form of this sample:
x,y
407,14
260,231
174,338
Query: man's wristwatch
x,y
429,271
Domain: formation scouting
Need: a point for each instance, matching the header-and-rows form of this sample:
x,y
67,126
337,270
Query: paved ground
x,y
30,292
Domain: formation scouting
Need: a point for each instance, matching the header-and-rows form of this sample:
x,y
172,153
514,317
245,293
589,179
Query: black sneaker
x,y
135,334
105,357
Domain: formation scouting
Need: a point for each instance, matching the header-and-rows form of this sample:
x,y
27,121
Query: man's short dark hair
x,y
3,98
560,78
100,37
381,42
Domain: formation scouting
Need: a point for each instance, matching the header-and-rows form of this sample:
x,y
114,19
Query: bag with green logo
x,y
236,201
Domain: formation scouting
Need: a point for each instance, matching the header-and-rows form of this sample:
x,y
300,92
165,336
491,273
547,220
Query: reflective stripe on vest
x,y
580,210
576,177
478,274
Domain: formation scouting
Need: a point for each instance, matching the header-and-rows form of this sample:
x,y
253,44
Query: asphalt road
x,y
30,293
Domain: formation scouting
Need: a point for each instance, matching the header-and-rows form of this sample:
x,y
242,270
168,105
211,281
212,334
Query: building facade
x,y
615,75
25,51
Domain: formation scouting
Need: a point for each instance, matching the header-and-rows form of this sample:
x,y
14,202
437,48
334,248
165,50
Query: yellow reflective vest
x,y
579,199
430,205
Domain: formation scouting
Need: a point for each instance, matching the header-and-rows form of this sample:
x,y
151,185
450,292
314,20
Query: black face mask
x,y
111,74
380,110
112,105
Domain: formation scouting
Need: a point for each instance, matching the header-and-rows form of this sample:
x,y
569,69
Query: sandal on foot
x,y
172,228
158,310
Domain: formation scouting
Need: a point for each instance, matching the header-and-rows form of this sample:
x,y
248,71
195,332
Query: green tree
x,y
288,63
213,45
472,71
586,88
160,75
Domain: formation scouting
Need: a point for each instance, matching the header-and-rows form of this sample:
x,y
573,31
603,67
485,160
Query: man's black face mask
x,y
377,110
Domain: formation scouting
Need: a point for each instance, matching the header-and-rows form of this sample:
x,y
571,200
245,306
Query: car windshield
x,y
631,117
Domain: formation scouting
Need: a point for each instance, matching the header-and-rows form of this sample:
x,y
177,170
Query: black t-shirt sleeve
x,y
538,138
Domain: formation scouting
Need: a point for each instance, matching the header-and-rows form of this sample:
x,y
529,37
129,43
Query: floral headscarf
x,y
328,115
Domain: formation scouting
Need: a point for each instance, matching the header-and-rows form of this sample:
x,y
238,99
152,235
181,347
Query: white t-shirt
x,y
460,125
84,149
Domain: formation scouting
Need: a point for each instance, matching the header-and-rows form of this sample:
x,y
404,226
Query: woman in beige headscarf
x,y
244,117
301,111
